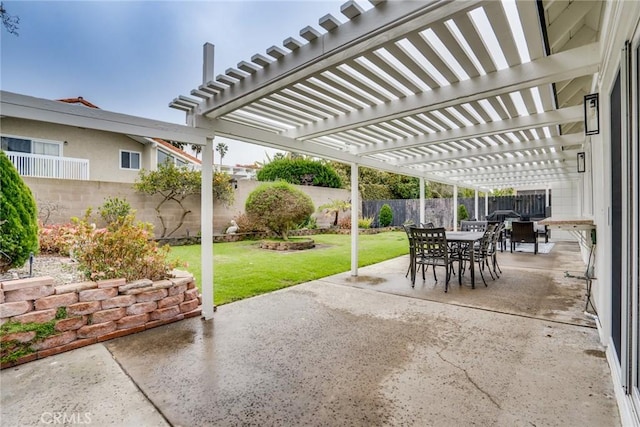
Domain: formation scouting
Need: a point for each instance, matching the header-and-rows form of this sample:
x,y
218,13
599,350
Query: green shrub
x,y
385,217
125,251
310,224
114,209
57,239
365,222
462,213
278,206
300,171
18,218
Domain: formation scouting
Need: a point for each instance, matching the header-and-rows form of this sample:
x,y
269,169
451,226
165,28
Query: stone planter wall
x,y
89,312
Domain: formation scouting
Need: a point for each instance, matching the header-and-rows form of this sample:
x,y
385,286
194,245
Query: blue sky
x,y
134,57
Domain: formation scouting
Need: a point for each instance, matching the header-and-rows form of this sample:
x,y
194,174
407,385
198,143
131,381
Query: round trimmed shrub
x,y
18,218
385,217
278,207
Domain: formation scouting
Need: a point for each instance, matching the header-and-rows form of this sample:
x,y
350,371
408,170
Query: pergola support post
x,y
546,199
422,216
475,207
355,204
486,204
455,208
206,230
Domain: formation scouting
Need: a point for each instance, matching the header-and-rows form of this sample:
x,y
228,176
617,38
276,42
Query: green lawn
x,y
242,270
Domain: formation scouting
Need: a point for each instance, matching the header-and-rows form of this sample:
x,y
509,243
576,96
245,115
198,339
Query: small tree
x,y
175,184
385,218
18,218
334,209
279,207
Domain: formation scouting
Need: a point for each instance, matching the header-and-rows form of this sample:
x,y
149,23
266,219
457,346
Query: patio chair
x,y
502,238
407,229
524,232
481,253
496,238
473,225
430,249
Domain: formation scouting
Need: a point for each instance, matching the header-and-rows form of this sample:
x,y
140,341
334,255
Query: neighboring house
x,y
47,150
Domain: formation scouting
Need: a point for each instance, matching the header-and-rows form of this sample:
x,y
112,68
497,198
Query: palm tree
x,y
222,148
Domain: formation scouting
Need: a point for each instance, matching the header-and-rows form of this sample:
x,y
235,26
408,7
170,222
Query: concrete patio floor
x,y
340,351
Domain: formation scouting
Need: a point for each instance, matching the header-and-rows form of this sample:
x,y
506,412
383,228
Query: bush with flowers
x,y
57,239
124,249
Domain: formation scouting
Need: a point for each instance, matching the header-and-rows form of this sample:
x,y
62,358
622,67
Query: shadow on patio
x,y
369,351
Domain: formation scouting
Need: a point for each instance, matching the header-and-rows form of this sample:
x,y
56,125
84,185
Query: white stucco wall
x,y
102,149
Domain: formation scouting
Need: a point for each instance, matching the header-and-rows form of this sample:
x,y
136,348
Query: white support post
x,y
546,199
455,208
486,204
355,205
422,218
206,231
475,207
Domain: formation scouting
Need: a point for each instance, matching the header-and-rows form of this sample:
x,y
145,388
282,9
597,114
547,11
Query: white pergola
x,y
477,94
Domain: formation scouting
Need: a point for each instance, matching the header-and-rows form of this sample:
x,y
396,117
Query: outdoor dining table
x,y
465,240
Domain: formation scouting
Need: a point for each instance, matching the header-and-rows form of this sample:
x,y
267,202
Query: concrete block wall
x,y
71,198
94,311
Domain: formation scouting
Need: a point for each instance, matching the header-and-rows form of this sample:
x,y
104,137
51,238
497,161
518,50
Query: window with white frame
x,y
27,145
166,157
130,160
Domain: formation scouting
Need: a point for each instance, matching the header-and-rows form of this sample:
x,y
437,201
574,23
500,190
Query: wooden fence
x,y
440,211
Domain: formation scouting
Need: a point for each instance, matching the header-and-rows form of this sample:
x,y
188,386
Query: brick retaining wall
x,y
89,312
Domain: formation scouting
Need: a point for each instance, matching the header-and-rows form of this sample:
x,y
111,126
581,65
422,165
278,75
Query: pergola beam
x,y
556,141
549,118
253,135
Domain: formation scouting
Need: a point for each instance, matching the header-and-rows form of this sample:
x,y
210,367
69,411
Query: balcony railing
x,y
41,166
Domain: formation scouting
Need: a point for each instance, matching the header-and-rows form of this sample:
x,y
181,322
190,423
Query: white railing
x,y
237,171
41,166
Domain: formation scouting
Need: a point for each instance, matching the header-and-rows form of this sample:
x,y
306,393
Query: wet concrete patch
x,y
292,363
596,353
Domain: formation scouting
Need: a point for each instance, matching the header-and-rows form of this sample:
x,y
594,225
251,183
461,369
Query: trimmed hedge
x,y
18,218
301,172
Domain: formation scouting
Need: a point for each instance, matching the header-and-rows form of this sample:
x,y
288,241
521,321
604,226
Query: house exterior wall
x,y
101,148
65,199
621,23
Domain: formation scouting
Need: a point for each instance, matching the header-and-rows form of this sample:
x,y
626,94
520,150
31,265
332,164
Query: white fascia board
x,y
561,66
372,29
44,110
549,118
